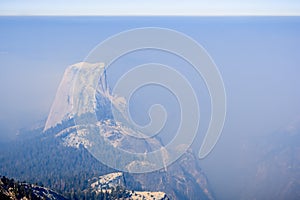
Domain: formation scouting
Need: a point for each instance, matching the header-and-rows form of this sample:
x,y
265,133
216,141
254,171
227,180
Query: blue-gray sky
x,y
258,58
153,7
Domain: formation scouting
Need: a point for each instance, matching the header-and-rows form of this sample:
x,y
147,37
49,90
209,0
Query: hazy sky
x,y
147,7
258,58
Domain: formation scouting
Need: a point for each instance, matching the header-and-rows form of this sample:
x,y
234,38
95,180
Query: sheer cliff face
x,y
73,91
84,82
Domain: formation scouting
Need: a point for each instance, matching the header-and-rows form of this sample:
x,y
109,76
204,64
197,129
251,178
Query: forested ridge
x,y
11,189
42,159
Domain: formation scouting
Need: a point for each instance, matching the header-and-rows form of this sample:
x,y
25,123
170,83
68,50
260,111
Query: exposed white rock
x,y
77,138
76,90
138,195
106,182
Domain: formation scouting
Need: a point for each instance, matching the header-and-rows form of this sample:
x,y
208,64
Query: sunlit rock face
x,y
84,92
75,90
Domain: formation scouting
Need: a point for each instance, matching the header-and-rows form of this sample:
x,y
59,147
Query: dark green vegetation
x,y
42,159
11,189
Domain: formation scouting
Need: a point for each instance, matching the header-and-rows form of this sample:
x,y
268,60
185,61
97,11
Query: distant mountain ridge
x,y
59,157
277,173
116,133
